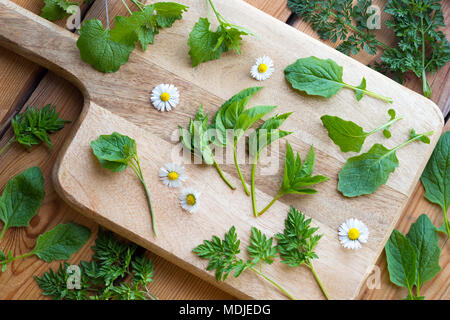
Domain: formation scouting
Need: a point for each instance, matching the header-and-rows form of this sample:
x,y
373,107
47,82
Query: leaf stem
x,y
273,282
411,140
239,172
6,146
316,276
136,3
387,124
137,169
126,6
223,176
447,226
3,232
369,93
218,15
278,196
11,259
255,209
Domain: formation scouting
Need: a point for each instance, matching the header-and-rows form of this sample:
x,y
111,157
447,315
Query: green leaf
x,y
35,125
315,76
168,12
21,198
436,176
56,9
206,45
61,242
297,242
349,136
401,260
99,50
345,134
359,93
260,248
319,77
423,237
365,173
297,175
114,151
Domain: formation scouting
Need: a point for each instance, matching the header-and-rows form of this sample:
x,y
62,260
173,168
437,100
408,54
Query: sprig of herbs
x,y
436,178
262,137
414,259
34,126
232,116
320,77
223,255
297,176
297,243
19,203
349,136
421,46
116,272
365,173
197,140
116,152
206,45
107,49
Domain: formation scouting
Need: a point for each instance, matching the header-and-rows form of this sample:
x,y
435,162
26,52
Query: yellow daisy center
x,y
353,234
164,96
190,199
172,175
262,68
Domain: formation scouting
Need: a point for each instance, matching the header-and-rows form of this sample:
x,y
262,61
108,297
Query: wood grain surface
x,y
167,282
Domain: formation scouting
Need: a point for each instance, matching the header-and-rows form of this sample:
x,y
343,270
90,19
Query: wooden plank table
x,y
23,83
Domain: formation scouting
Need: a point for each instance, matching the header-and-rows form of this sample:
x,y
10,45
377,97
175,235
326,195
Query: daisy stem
x,y
239,171
137,169
310,266
278,196
223,176
273,282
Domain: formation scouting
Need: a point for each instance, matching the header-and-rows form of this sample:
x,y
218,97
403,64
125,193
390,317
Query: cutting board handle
x,y
43,42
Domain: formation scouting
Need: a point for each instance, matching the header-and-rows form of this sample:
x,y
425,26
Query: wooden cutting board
x,y
120,102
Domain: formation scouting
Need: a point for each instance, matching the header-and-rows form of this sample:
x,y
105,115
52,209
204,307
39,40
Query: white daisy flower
x,y
189,199
262,69
165,97
172,175
352,233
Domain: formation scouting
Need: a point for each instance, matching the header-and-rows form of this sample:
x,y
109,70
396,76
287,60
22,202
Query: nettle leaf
x,y
57,9
22,198
319,77
34,126
61,242
423,237
436,177
114,151
365,173
99,50
349,136
297,176
402,260
260,248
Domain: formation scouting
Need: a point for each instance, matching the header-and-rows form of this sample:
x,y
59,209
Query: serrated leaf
x,y
61,242
99,50
56,9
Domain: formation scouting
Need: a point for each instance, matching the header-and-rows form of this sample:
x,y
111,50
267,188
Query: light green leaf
x,y
61,242
22,198
99,50
345,134
168,12
56,9
423,237
401,260
260,248
359,93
